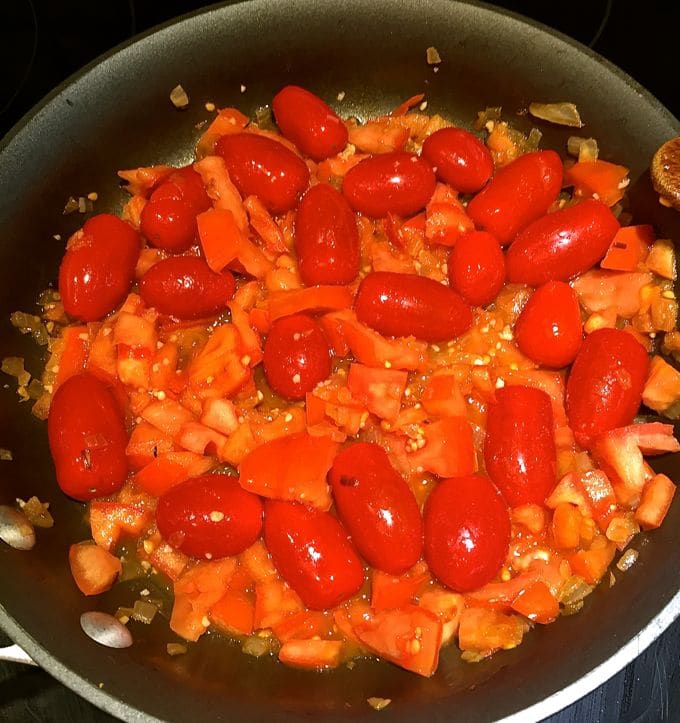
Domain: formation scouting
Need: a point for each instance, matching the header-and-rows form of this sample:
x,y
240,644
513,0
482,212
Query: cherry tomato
x,y
407,304
296,356
87,437
210,515
262,167
187,185
549,329
97,272
561,244
309,122
459,159
467,532
312,553
518,194
377,507
477,267
186,287
326,238
397,182
604,389
519,449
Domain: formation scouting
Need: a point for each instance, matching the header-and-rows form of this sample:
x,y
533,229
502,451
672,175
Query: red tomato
x,y
186,184
97,272
518,194
397,182
549,329
309,122
377,507
477,267
185,287
561,244
407,304
211,515
311,551
87,438
296,356
519,449
467,532
604,389
326,238
459,159
262,167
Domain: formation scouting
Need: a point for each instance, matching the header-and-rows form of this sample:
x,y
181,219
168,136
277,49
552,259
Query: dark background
x,y
44,41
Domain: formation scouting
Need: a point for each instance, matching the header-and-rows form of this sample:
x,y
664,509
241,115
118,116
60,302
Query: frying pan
x,y
116,114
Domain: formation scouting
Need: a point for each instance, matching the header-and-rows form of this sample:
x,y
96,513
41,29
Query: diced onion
x,y
574,590
144,612
256,646
179,97
176,649
37,512
378,703
627,560
432,56
563,114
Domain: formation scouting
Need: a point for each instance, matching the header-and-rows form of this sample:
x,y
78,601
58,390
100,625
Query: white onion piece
x,y
563,114
15,529
105,630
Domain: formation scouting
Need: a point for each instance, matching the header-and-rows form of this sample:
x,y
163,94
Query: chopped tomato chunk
x,y
93,568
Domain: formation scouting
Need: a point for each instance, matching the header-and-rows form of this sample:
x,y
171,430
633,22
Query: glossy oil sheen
x,y
489,58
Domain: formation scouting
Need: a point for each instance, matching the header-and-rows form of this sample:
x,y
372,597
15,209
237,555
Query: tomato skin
x,y
311,551
185,287
604,388
265,168
87,438
186,516
561,244
518,194
459,159
519,449
396,182
377,507
296,347
97,272
407,304
309,123
467,532
549,329
326,238
477,267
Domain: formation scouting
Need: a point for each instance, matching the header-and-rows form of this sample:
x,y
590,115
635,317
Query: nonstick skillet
x,y
117,114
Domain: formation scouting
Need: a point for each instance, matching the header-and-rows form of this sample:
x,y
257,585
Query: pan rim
x,y
537,711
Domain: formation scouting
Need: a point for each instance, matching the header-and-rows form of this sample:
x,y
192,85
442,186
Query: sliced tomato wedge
x,y
93,568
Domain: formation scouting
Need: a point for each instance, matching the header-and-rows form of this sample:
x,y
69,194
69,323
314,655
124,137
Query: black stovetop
x,y
44,41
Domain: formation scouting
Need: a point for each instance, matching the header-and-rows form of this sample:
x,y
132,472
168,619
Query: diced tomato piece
x,y
446,219
171,468
164,368
537,603
145,444
597,179
290,422
196,591
274,601
447,606
251,343
405,107
220,237
93,568
168,560
168,416
75,345
443,396
567,490
304,625
619,453
315,654
629,248
110,520
600,290
227,121
257,561
485,631
218,185
291,468
265,226
218,370
566,526
662,389
233,613
395,591
449,449
531,515
409,637
657,496
661,259
200,439
378,136
102,359
310,298
592,564
140,181
599,494
239,445
345,618
221,415
381,390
